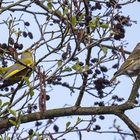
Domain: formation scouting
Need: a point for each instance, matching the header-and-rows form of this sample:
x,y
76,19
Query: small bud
x,y
47,97
11,41
55,128
38,123
101,117
24,34
30,35
103,69
81,63
27,24
20,47
97,71
94,60
30,132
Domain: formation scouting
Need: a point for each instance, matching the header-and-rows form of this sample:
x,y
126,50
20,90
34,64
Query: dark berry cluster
x,y
123,20
119,31
97,6
29,34
118,28
101,103
38,123
113,3
26,23
18,46
30,108
100,84
115,66
30,132
64,55
11,44
117,98
97,127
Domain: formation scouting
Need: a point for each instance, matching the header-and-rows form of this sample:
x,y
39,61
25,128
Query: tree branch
x,y
61,112
131,125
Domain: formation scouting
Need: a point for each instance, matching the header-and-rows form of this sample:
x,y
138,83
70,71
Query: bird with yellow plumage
x,y
16,72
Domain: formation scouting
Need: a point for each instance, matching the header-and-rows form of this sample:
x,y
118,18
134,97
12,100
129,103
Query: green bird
x,y
16,72
131,66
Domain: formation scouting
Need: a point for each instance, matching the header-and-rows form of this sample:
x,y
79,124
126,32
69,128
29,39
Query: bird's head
x,y
27,57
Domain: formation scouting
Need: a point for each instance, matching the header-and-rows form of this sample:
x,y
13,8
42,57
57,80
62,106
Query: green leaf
x,y
104,49
73,21
67,125
31,92
12,112
18,122
26,79
8,138
58,12
104,26
66,10
0,102
67,69
78,120
77,67
59,63
5,104
30,87
13,122
94,23
1,138
49,5
80,18
86,67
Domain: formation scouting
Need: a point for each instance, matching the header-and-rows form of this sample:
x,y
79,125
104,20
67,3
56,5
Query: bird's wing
x,y
134,55
4,70
124,66
13,70
26,59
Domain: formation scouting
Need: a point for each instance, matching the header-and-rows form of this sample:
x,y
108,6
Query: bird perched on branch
x,y
16,72
131,66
